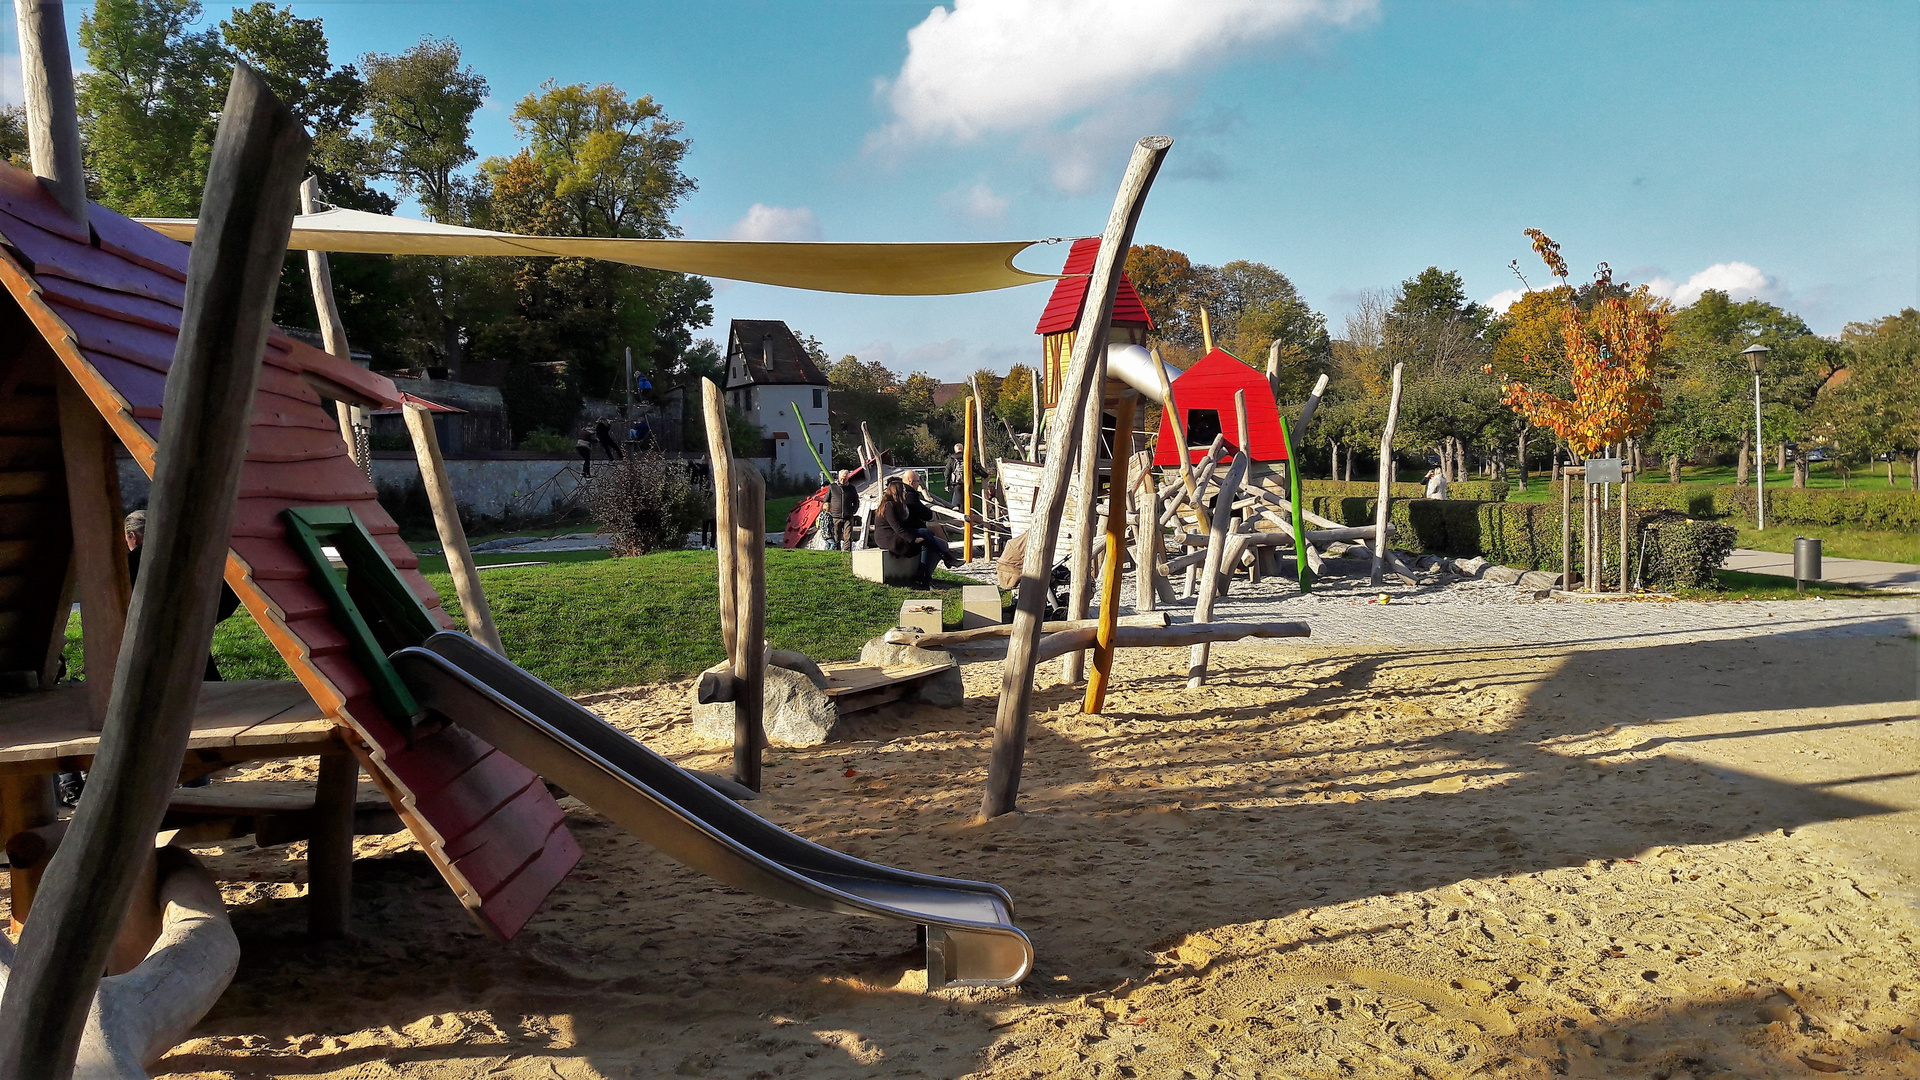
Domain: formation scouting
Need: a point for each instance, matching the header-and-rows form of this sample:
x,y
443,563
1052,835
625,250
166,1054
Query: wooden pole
x,y
1240,422
446,522
1307,411
720,452
99,550
1206,331
53,121
1386,480
1273,369
330,848
1566,530
750,650
1209,585
246,213
1016,686
1110,566
966,482
1179,436
1157,637
1147,544
1626,584
1086,510
1033,436
333,331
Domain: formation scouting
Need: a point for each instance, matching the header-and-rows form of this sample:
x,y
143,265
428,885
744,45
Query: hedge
x,y
1785,506
1472,490
1683,553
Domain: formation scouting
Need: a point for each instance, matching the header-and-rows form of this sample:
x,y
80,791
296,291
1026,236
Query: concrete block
x,y
920,614
979,606
877,564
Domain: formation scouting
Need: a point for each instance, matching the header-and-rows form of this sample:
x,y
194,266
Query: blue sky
x,y
1771,148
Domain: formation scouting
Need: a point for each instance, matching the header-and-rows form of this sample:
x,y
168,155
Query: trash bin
x,y
1806,562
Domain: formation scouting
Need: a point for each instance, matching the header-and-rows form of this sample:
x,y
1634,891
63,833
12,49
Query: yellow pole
x,y
1110,568
966,486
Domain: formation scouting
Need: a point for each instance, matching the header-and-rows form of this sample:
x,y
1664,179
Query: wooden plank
x,y
99,547
330,846
1209,585
138,244
24,199
60,257
508,908
30,453
30,485
137,384
247,798
142,345
750,623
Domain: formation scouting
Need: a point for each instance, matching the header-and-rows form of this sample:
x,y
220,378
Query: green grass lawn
x,y
594,623
1739,586
1882,545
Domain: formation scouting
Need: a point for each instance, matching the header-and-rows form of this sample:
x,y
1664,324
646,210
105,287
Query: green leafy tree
x,y
13,135
1876,408
149,103
420,104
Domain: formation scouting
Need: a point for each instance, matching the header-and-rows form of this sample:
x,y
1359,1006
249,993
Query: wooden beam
x,y
1016,685
333,331
330,848
1209,584
966,479
446,522
1240,422
53,121
26,802
1086,507
1146,559
246,213
720,453
1117,487
1386,479
1307,410
1206,332
750,648
1175,422
99,545
901,635
1170,637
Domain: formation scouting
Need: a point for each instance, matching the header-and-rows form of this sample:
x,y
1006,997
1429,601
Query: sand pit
x,y
1652,862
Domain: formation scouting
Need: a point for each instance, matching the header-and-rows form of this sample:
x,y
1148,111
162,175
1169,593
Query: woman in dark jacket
x,y
900,527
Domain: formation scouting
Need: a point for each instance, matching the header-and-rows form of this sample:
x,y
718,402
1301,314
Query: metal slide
x,y
970,936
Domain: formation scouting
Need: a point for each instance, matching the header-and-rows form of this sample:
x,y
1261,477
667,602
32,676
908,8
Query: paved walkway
x,y
1863,572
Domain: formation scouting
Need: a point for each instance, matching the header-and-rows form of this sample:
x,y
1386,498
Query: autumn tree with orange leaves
x,y
1610,350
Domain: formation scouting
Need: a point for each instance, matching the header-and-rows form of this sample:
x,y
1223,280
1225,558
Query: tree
x,y
421,105
1876,408
1610,354
1016,397
293,56
150,103
13,135
611,163
1433,326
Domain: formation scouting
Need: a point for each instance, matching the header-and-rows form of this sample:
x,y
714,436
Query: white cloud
x,y
1740,281
985,66
763,222
976,203
1499,302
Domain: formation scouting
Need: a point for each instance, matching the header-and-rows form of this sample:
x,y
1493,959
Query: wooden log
x,y
330,848
1110,566
1307,410
53,120
1170,637
720,452
966,480
1147,558
1179,427
1210,577
1086,505
750,592
1016,686
1240,421
1033,437
26,803
99,545
333,330
1273,369
901,635
246,214
1386,478
446,522
1206,332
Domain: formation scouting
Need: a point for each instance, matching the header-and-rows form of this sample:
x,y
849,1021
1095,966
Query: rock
x,y
1470,568
800,662
1539,579
1502,575
942,691
798,713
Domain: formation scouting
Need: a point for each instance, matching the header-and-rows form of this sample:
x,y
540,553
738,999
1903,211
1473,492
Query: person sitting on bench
x,y
901,527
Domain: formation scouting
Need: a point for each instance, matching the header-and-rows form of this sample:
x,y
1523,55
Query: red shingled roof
x,y
108,302
1070,294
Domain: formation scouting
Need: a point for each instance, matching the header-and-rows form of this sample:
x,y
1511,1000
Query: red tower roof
x,y
1070,294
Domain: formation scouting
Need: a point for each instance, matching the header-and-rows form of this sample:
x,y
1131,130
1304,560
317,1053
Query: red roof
x,y
109,306
1210,384
1070,294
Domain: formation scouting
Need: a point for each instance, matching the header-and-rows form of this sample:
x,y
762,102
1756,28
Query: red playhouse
x,y
1061,318
1204,395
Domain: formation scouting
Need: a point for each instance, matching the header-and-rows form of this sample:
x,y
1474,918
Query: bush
x,y
1785,506
1684,554
1472,490
646,503
548,442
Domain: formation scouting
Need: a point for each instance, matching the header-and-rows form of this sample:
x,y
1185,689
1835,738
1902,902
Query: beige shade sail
x,y
878,269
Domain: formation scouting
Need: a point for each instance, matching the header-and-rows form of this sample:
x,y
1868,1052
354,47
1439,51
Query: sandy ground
x,y
1676,860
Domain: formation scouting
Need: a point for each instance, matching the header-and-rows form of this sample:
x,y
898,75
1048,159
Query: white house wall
x,y
771,408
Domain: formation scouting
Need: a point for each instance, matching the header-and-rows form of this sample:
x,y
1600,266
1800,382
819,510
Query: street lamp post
x,y
1756,353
